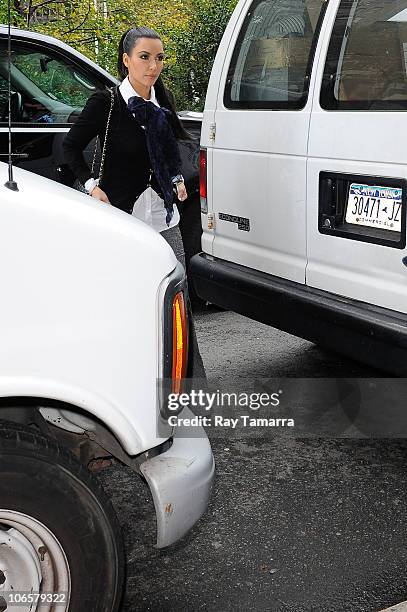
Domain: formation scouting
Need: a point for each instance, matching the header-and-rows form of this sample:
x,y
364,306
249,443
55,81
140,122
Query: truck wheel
x,y
58,530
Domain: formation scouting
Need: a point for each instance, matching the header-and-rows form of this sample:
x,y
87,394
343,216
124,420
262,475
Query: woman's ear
x,y
125,60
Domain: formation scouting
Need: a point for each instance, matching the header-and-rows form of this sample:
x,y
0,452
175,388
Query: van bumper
x,y
180,480
371,334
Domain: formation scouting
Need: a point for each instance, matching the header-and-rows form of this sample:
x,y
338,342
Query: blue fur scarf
x,y
161,144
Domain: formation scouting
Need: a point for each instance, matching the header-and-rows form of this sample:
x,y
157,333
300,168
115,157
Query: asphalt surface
x,y
294,524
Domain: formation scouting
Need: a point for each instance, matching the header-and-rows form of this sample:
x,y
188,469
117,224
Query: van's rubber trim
x,y
371,334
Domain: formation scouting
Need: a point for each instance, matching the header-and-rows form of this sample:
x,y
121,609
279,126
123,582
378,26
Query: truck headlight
x,y
179,342
174,339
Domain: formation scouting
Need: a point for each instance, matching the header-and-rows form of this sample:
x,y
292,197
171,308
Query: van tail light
x,y
203,181
179,342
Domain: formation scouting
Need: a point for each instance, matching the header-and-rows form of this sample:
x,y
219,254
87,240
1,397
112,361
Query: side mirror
x,y
44,61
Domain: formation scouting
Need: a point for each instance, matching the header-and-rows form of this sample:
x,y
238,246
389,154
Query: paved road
x,y
293,524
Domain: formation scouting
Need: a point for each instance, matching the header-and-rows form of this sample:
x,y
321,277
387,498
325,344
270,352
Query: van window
x,y
50,88
272,60
366,65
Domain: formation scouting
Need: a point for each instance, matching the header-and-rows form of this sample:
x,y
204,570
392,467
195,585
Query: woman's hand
x,y
99,194
181,192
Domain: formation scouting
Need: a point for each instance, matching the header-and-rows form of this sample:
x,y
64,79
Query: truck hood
x,y
39,195
81,301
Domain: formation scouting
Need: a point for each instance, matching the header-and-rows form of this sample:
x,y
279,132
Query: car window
x,y
366,65
47,87
272,60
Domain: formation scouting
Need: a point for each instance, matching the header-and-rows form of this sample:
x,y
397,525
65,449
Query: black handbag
x,y
77,184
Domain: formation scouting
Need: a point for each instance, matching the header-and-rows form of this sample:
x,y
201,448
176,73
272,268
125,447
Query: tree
x,y
196,49
190,29
17,19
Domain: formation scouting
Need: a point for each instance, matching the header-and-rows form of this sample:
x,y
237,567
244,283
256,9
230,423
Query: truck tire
x,y
57,525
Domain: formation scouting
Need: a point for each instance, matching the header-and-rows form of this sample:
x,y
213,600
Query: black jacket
x,y
127,164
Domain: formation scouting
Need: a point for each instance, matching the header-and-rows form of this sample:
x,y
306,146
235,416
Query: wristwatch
x,y
177,179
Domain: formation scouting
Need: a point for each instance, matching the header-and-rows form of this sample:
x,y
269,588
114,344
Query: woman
x,y
142,166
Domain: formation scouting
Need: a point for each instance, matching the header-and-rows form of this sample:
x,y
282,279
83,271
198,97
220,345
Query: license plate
x,y
374,206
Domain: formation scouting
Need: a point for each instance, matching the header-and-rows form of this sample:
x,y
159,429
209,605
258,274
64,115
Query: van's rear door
x,y
258,158
357,167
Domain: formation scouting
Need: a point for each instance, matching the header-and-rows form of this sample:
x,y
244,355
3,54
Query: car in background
x,y
50,84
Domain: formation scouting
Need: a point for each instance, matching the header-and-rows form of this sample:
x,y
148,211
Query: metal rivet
x,y
327,223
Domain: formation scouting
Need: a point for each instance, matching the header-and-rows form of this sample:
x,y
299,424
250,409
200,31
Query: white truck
x,y
92,316
303,173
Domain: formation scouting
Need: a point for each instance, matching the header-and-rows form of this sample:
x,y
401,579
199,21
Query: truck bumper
x,y
180,481
371,334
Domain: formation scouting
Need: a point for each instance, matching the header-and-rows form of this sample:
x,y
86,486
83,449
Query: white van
x,y
303,173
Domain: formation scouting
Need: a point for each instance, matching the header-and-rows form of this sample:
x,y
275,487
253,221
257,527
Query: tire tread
x,y
17,438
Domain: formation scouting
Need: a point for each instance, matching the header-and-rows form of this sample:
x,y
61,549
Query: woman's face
x,y
144,63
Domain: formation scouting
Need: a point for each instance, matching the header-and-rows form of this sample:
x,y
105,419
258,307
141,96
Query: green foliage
x,y
196,49
190,29
16,19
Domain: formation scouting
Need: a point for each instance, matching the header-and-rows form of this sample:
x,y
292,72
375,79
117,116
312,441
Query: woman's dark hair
x,y
164,97
128,41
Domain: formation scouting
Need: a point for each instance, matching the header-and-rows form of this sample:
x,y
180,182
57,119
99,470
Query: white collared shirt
x,y
128,92
149,207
